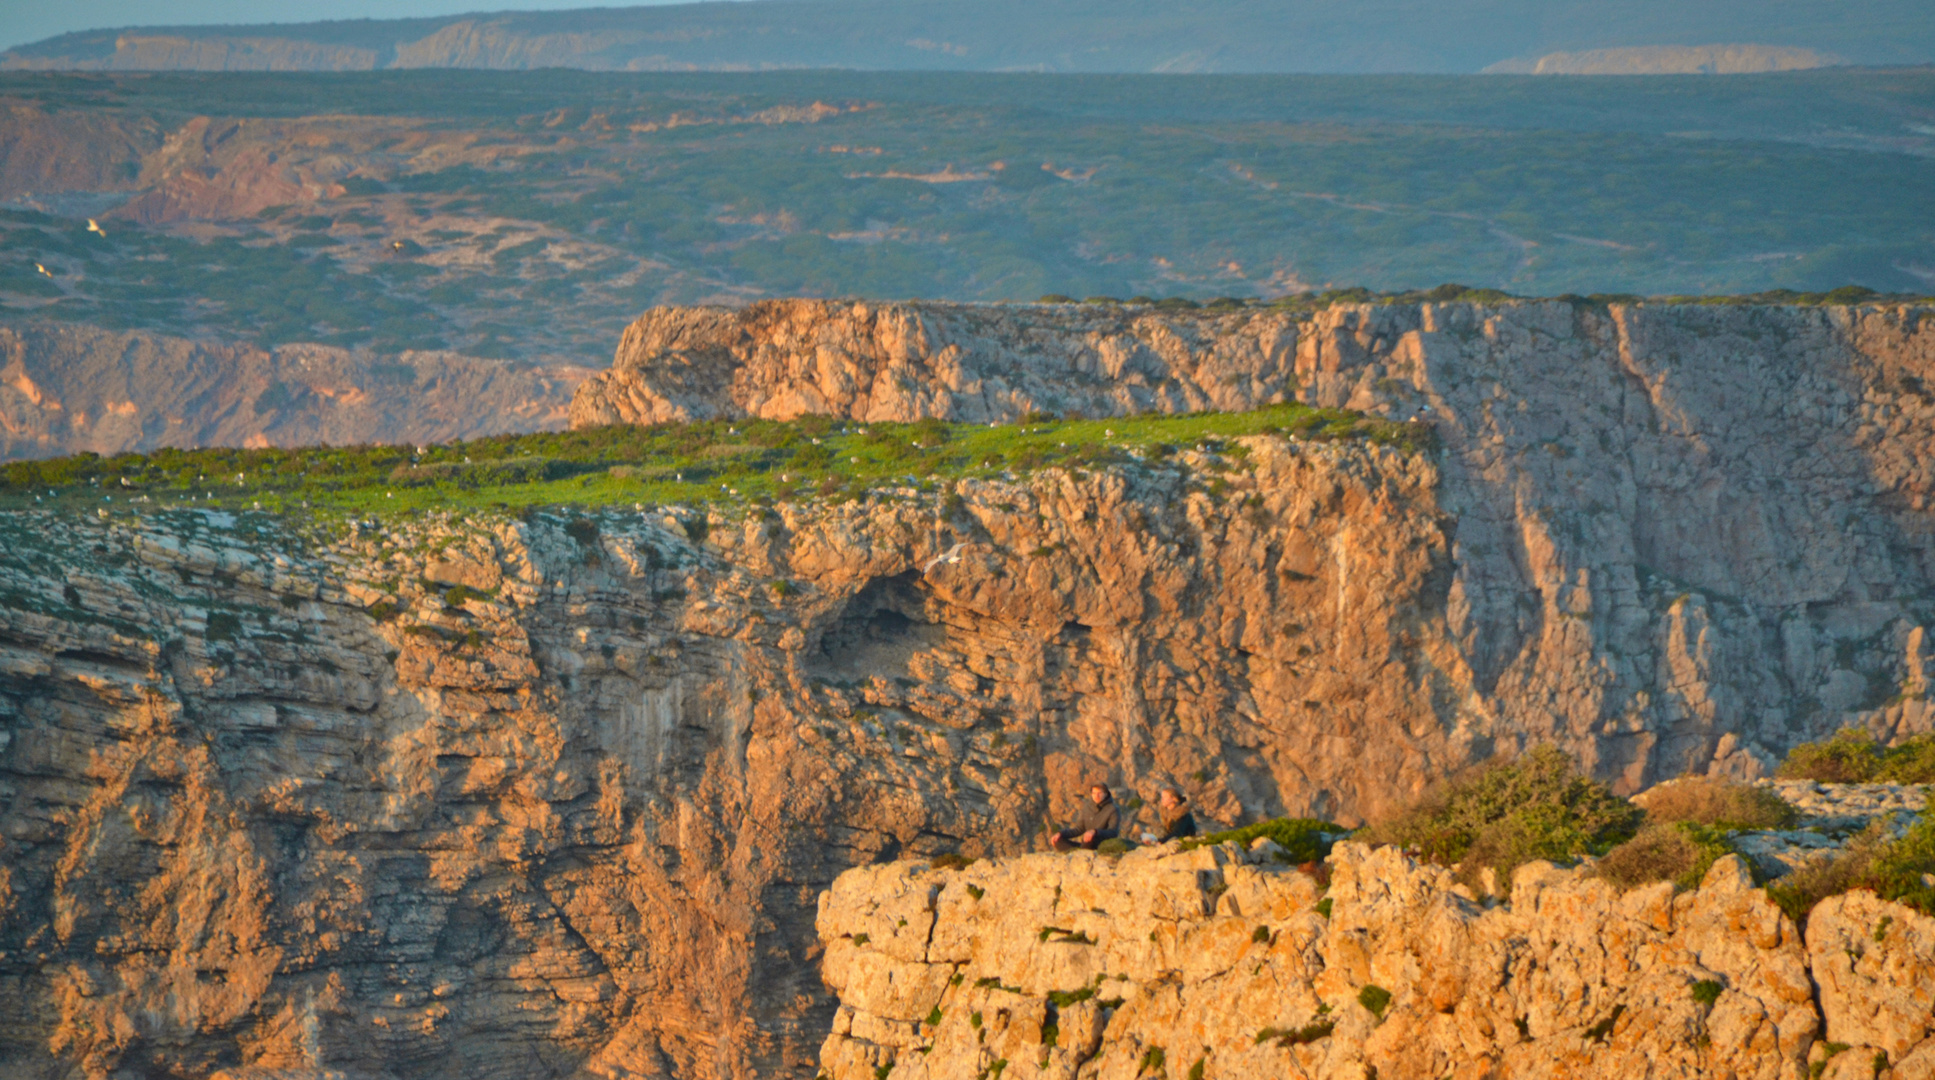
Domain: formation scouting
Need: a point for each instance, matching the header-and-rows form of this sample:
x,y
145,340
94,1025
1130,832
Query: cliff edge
x,y
1681,536
1228,963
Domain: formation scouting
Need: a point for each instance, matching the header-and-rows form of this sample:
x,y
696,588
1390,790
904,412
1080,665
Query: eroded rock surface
x,y
1683,537
785,358
273,802
1875,965
68,389
1085,967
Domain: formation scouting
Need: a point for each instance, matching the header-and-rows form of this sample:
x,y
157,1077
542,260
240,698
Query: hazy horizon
x,y
25,21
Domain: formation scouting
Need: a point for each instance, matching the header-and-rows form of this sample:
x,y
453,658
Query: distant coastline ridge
x,y
1736,59
1388,37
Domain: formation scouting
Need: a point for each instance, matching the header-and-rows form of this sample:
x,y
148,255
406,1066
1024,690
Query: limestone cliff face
x,y
1222,962
65,389
271,801
1683,537
785,358
276,802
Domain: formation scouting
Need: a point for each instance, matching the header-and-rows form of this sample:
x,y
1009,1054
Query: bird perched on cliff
x,y
95,227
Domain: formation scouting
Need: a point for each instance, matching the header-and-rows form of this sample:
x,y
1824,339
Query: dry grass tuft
x,y
1662,851
1719,804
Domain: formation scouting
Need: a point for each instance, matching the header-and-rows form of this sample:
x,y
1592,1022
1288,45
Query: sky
x,y
22,21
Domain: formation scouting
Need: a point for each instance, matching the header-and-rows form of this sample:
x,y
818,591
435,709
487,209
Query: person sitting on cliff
x,y
1172,809
1096,820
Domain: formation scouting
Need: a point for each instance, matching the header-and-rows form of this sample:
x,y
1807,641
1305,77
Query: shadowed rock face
x,y
67,389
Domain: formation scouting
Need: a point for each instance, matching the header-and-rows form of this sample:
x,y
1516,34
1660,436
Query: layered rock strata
x,y
67,389
1228,963
1682,537
272,801
276,801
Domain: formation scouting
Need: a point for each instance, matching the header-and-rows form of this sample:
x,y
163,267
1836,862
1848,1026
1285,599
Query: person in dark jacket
x,y
1097,819
1172,809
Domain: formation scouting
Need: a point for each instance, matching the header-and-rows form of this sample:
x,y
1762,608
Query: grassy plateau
x,y
710,461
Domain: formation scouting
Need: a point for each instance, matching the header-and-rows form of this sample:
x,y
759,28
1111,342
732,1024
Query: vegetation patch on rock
x,y
1302,839
1853,756
1901,869
1537,806
684,463
1688,827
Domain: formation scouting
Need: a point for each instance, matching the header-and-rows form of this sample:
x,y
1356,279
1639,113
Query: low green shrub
x,y
1706,991
1303,839
1374,998
1897,869
950,860
1536,806
1853,756
1114,845
223,626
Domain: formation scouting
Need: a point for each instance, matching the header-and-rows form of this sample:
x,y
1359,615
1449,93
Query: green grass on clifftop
x,y
812,457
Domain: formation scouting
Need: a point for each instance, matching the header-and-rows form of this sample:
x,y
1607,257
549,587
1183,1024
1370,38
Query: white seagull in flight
x,y
95,227
951,555
43,270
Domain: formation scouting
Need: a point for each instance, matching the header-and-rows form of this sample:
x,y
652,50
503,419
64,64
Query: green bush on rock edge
x,y
1853,756
1536,806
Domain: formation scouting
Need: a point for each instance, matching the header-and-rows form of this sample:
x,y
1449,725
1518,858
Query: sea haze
x,y
1363,36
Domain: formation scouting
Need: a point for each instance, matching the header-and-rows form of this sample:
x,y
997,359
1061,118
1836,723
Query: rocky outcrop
x,y
1683,537
978,363
65,389
1827,815
1226,963
273,797
272,801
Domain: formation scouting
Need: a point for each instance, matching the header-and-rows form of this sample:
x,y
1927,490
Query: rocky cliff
x,y
1680,536
272,800
66,389
1226,963
281,796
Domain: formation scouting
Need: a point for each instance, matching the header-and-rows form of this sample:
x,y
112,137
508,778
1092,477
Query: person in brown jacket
x,y
1172,809
1096,820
